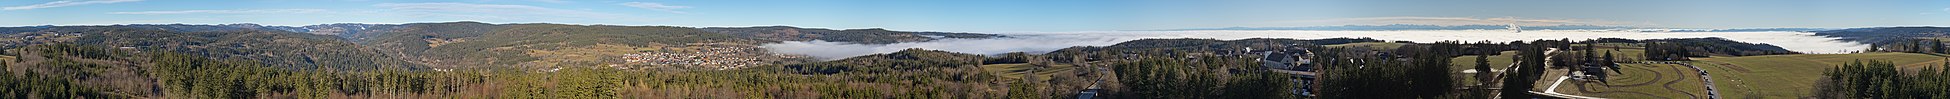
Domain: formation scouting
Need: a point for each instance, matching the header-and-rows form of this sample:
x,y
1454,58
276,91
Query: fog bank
x,y
1049,41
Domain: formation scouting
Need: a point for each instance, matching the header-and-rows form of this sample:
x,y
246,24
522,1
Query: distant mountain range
x,y
1886,34
866,36
1503,27
443,45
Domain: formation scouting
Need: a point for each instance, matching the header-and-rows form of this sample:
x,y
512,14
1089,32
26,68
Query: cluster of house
x,y
1292,60
714,57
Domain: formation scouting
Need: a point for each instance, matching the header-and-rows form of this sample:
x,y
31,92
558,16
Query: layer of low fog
x,y
1050,41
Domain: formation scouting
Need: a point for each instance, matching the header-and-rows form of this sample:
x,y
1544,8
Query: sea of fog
x,y
1043,42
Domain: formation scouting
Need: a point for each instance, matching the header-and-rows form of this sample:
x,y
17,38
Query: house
x,y
1276,60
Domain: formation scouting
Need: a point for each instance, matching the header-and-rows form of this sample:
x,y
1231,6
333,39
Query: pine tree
x,y
1483,75
1915,46
1875,47
1517,85
1652,51
1611,62
1939,45
1588,57
1483,70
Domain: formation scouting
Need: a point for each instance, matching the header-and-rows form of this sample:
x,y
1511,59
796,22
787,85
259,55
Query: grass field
x,y
1642,81
1791,76
1466,62
1624,52
1017,71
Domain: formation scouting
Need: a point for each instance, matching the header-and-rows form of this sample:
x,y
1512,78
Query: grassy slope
x,y
1791,76
1017,71
1650,79
1466,62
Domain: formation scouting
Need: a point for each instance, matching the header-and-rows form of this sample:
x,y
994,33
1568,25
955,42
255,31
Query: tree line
x,y
1411,71
1883,80
1931,46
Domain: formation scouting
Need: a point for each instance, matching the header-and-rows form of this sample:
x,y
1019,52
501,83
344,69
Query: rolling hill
x,y
1791,76
482,44
271,47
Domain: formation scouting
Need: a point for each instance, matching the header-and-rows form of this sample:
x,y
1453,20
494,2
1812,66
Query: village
x,y
710,56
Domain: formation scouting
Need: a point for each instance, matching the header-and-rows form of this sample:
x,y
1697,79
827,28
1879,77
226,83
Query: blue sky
x,y
994,15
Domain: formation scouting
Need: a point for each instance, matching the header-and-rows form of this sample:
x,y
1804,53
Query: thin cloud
x,y
64,3
551,1
655,6
243,11
1454,21
494,11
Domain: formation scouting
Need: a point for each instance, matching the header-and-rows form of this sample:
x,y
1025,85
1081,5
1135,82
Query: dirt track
x,y
1659,76
1682,77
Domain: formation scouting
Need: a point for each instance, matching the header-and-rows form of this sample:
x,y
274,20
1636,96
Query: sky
x,y
995,15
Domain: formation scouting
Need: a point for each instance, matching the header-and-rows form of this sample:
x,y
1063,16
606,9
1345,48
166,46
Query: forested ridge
x,y
458,44
271,47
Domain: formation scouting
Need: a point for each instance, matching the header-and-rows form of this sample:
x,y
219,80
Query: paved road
x,y
1091,92
1710,90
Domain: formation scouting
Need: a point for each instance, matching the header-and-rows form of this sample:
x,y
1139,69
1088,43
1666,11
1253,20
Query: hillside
x,y
1790,76
453,44
96,71
80,70
481,44
470,44
909,59
271,47
864,36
